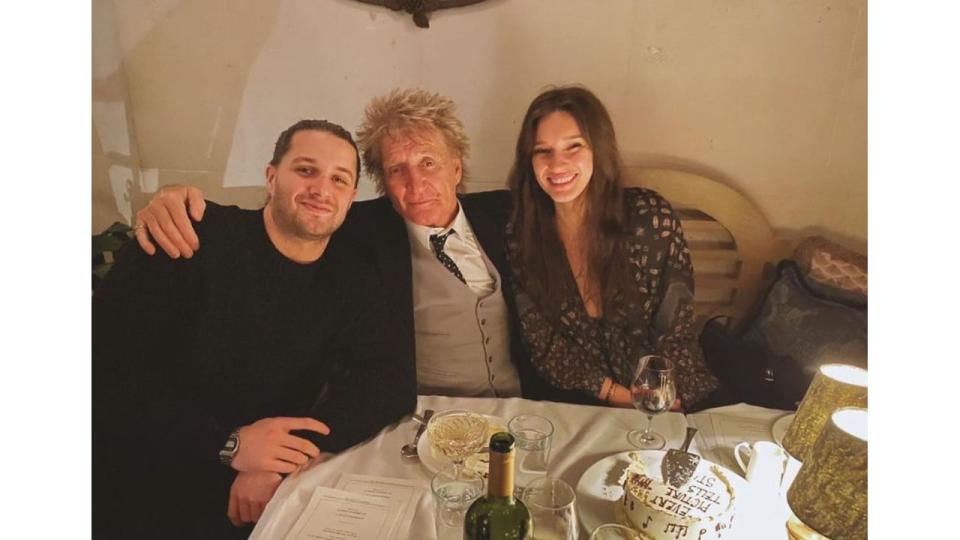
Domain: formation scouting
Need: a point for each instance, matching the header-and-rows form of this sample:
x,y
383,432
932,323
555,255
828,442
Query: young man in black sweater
x,y
259,353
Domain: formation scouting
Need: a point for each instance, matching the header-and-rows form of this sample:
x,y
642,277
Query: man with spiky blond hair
x,y
451,267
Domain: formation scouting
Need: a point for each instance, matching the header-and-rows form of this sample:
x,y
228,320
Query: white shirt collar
x,y
460,226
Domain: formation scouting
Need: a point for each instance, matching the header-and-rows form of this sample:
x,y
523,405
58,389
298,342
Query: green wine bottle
x,y
498,516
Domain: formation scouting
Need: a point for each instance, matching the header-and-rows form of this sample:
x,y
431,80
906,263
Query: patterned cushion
x,y
832,270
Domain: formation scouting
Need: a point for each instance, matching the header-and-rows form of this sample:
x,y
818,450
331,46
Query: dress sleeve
x,y
674,325
559,355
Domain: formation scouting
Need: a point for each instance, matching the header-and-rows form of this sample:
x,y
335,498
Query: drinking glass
x,y
614,531
653,391
456,434
551,503
454,490
534,436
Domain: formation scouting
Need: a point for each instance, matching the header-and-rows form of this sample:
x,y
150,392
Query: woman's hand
x,y
620,397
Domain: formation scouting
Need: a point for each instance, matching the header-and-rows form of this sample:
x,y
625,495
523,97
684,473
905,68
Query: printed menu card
x,y
404,492
360,507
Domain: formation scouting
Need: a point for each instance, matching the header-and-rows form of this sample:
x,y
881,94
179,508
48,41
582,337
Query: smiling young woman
x,y
602,274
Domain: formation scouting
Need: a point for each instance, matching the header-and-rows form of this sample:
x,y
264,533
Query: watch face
x,y
230,448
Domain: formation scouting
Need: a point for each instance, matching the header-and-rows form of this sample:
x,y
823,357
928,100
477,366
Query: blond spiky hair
x,y
405,111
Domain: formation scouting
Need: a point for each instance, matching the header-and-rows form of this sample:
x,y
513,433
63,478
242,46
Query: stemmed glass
x,y
653,391
456,434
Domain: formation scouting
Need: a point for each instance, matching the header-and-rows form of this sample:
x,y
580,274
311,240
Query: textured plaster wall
x,y
769,96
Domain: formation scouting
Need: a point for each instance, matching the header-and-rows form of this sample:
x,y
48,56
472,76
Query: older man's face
x,y
420,175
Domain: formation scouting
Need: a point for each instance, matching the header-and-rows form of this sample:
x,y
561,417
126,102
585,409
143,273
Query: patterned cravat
x,y
437,241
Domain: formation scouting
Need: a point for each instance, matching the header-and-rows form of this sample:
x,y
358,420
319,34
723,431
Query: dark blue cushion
x,y
773,359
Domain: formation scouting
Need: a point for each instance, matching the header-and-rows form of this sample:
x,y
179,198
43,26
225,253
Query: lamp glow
x,y
829,495
834,386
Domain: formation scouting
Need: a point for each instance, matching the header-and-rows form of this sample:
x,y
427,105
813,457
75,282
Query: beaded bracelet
x,y
609,393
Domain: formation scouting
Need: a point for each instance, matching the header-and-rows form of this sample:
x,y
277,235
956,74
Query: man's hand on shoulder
x,y
249,494
267,445
165,217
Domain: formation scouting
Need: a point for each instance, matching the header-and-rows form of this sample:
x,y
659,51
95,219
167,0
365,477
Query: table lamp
x,y
829,496
833,386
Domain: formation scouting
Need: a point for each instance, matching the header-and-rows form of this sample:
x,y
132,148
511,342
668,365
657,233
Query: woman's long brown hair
x,y
541,253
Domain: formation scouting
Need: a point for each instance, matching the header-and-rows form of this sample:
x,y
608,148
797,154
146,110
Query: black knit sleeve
x,y
139,406
373,381
144,324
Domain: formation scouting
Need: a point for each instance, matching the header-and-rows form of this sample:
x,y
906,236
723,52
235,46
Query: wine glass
x,y
456,434
653,390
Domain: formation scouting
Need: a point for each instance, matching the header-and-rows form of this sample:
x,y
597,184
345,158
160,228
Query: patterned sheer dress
x,y
576,351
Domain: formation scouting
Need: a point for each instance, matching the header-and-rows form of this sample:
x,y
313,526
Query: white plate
x,y
477,462
598,490
780,427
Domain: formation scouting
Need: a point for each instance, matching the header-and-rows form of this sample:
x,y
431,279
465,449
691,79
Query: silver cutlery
x,y
409,451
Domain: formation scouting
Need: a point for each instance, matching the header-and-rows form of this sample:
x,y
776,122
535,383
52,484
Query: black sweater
x,y
185,351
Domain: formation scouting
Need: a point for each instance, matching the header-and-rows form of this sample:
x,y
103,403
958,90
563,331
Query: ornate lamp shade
x,y
830,492
834,386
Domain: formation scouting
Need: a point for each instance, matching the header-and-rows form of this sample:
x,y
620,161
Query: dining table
x,y
583,436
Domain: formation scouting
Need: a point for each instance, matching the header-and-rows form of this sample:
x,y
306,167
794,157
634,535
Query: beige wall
x,y
767,95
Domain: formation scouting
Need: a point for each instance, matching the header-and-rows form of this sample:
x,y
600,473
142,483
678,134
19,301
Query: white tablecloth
x,y
583,435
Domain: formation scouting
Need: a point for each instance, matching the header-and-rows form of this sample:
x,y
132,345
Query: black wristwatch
x,y
230,448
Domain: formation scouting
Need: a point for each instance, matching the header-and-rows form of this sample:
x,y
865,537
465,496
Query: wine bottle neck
x,y
500,477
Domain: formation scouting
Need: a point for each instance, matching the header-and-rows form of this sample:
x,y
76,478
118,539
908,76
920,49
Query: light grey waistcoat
x,y
463,342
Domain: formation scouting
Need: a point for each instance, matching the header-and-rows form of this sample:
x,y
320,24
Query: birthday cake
x,y
701,509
